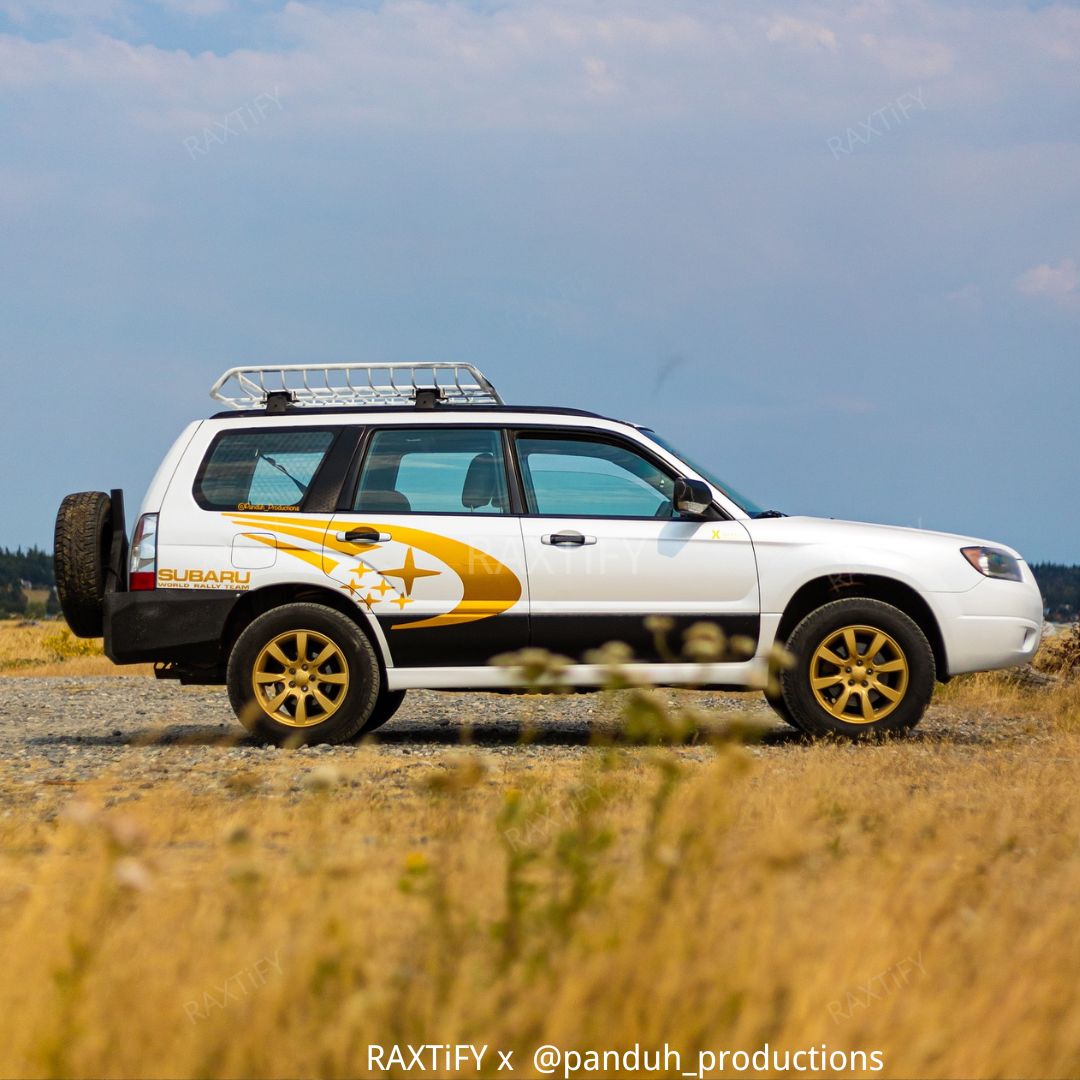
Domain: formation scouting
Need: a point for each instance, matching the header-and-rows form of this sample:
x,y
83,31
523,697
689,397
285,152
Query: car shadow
x,y
409,735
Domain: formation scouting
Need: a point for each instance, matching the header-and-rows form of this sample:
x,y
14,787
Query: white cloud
x,y
966,298
197,8
810,36
908,57
546,64
1060,283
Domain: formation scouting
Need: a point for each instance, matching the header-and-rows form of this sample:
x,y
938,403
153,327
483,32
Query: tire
x,y
389,702
327,701
779,706
81,546
887,692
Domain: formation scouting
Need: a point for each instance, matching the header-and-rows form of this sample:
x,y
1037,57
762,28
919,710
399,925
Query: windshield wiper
x,y
768,514
281,469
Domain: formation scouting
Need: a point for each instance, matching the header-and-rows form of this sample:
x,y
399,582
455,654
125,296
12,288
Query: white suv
x,y
345,533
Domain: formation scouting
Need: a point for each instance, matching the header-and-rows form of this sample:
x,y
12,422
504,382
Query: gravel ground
x,y
65,731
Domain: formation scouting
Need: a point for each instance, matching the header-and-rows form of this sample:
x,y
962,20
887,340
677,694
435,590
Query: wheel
x,y
303,673
779,706
81,546
862,667
389,702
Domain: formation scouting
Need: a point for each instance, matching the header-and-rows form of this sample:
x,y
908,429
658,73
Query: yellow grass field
x,y
917,898
47,647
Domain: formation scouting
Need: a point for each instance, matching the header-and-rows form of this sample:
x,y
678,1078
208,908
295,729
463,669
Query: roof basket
x,y
351,385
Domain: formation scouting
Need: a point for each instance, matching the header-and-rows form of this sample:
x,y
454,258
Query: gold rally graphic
x,y
487,586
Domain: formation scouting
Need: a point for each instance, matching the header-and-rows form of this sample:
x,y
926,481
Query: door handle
x,y
363,536
567,538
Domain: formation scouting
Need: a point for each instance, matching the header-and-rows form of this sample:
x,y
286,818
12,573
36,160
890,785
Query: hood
x,y
918,555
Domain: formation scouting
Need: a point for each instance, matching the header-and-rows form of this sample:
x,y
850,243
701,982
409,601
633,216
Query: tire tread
x,y
79,559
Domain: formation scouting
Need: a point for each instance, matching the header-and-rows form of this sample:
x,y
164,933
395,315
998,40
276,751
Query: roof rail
x,y
348,385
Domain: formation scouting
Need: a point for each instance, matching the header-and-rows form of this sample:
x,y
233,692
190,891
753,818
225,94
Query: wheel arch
x,y
823,590
259,601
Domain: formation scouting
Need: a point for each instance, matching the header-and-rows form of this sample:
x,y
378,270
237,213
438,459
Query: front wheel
x,y
862,667
303,673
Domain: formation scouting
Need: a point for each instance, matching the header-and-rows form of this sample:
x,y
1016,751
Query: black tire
x,y
389,702
895,693
779,706
288,711
81,546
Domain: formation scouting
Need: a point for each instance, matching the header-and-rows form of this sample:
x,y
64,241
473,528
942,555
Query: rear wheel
x,y
81,546
779,706
862,667
303,673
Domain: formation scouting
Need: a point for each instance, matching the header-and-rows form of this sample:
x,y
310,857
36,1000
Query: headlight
x,y
993,562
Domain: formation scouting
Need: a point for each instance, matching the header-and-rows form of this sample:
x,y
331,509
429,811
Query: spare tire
x,y
81,558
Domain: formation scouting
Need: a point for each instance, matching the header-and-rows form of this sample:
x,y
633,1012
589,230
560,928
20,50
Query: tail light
x,y
144,554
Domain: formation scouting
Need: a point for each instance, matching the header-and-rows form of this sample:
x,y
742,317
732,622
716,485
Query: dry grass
x,y
47,647
916,898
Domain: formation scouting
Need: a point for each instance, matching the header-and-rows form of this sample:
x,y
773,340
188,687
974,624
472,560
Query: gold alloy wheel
x,y
300,678
859,674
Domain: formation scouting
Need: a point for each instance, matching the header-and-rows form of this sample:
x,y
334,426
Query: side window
x,y
565,476
261,470
433,471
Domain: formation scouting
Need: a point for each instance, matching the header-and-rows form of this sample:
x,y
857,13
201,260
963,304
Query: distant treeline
x,y
1060,587
21,571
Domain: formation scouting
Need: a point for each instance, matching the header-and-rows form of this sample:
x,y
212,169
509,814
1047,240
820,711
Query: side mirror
x,y
692,497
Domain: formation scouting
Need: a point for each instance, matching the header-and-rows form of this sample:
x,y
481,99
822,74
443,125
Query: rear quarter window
x,y
261,470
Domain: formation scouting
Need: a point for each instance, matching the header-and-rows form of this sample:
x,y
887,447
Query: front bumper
x,y
997,624
164,626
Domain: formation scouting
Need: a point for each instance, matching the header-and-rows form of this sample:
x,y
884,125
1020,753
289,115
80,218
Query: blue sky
x,y
833,249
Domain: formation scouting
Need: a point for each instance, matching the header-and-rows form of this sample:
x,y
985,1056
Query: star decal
x,y
369,600
383,589
360,570
409,572
351,588
401,601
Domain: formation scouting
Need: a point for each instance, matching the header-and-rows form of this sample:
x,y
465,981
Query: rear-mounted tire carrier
x,y
90,550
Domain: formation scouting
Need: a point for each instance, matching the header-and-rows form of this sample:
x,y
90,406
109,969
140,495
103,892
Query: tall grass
x,y
905,898
916,898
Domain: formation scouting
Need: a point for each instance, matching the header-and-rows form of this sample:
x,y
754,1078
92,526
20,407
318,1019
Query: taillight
x,y
144,554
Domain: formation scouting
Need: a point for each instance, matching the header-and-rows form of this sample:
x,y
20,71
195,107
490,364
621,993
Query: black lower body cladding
x,y
186,627
183,627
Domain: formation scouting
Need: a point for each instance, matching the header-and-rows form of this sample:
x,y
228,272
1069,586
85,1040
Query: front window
x,y
574,477
433,471
739,500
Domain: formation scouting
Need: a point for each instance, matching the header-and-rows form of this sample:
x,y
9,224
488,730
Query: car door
x,y
428,544
605,550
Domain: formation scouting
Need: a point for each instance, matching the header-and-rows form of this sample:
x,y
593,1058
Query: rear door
x,y
427,543
605,549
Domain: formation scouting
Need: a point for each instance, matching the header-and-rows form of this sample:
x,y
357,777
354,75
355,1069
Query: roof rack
x,y
348,385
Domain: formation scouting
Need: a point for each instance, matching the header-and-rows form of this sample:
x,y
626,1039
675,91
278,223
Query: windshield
x,y
738,499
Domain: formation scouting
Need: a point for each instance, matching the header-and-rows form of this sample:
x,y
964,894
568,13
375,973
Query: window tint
x,y
261,470
433,471
585,477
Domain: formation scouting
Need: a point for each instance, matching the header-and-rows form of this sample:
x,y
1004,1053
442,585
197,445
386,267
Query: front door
x,y
605,550
430,548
